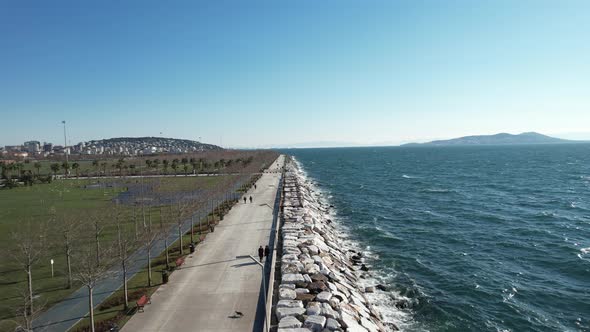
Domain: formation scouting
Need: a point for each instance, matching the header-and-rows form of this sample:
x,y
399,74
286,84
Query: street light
x,y
266,327
65,141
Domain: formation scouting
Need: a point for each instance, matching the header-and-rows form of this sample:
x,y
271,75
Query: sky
x,y
286,73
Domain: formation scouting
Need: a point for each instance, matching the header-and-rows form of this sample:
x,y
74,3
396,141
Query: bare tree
x,y
98,226
25,313
150,238
28,249
164,235
182,209
69,228
124,246
89,273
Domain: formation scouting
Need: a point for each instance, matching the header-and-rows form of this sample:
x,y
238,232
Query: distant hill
x,y
498,139
157,144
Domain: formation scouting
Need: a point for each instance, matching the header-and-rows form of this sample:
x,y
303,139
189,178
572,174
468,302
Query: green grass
x,y
181,183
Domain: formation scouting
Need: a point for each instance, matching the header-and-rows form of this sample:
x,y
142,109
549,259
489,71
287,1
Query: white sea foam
x,y
383,301
585,250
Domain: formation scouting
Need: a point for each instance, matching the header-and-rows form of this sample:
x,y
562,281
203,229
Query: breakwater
x,y
318,280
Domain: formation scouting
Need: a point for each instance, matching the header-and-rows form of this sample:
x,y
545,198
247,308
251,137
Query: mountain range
x,y
497,139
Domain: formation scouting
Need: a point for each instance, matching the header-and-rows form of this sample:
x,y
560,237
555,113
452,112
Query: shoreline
x,y
320,277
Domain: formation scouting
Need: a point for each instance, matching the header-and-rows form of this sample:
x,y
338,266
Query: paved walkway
x,y
214,283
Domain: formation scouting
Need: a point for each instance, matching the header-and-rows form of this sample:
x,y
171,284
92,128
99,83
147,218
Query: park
x,y
85,224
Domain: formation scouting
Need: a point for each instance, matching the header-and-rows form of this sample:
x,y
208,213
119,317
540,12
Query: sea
x,y
470,238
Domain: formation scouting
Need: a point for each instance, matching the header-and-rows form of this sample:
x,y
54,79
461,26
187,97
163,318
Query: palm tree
x,y
120,164
104,168
174,166
19,167
156,163
66,168
55,167
165,162
201,164
75,167
95,165
37,165
194,164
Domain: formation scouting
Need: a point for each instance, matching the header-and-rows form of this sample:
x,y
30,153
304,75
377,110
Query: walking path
x,y
64,315
219,279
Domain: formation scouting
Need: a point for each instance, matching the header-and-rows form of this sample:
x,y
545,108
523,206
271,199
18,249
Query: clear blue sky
x,y
256,73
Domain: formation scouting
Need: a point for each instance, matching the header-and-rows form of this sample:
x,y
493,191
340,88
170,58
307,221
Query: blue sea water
x,y
493,238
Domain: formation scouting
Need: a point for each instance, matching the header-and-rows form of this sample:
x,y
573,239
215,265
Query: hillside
x,y
151,144
497,139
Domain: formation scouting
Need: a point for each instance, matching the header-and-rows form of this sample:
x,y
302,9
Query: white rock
x,y
351,324
291,278
317,259
313,249
289,286
366,323
332,324
289,322
327,311
335,302
289,304
324,296
313,309
312,269
287,294
315,323
307,278
285,312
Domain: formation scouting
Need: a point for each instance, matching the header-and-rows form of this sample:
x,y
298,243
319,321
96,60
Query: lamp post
x,y
264,290
266,320
65,141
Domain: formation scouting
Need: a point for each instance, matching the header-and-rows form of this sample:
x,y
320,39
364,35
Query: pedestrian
x,y
266,252
250,199
255,186
261,253
244,199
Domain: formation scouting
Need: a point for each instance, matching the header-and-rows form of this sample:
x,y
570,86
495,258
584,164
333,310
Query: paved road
x,y
68,312
213,283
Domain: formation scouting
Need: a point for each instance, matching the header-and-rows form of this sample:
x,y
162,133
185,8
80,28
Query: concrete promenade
x,y
205,293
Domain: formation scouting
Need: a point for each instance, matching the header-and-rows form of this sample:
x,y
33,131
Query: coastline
x,y
323,281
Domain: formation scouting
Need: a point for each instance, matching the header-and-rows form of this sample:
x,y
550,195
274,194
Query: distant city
x,y
123,146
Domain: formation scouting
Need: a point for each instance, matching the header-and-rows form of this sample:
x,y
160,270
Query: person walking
x,y
266,252
244,199
255,186
250,199
261,253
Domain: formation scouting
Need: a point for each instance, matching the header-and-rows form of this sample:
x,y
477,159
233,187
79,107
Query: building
x,y
32,146
47,147
13,148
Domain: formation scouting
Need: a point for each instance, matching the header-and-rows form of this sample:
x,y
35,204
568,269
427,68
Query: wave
x,y
409,176
384,301
437,190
